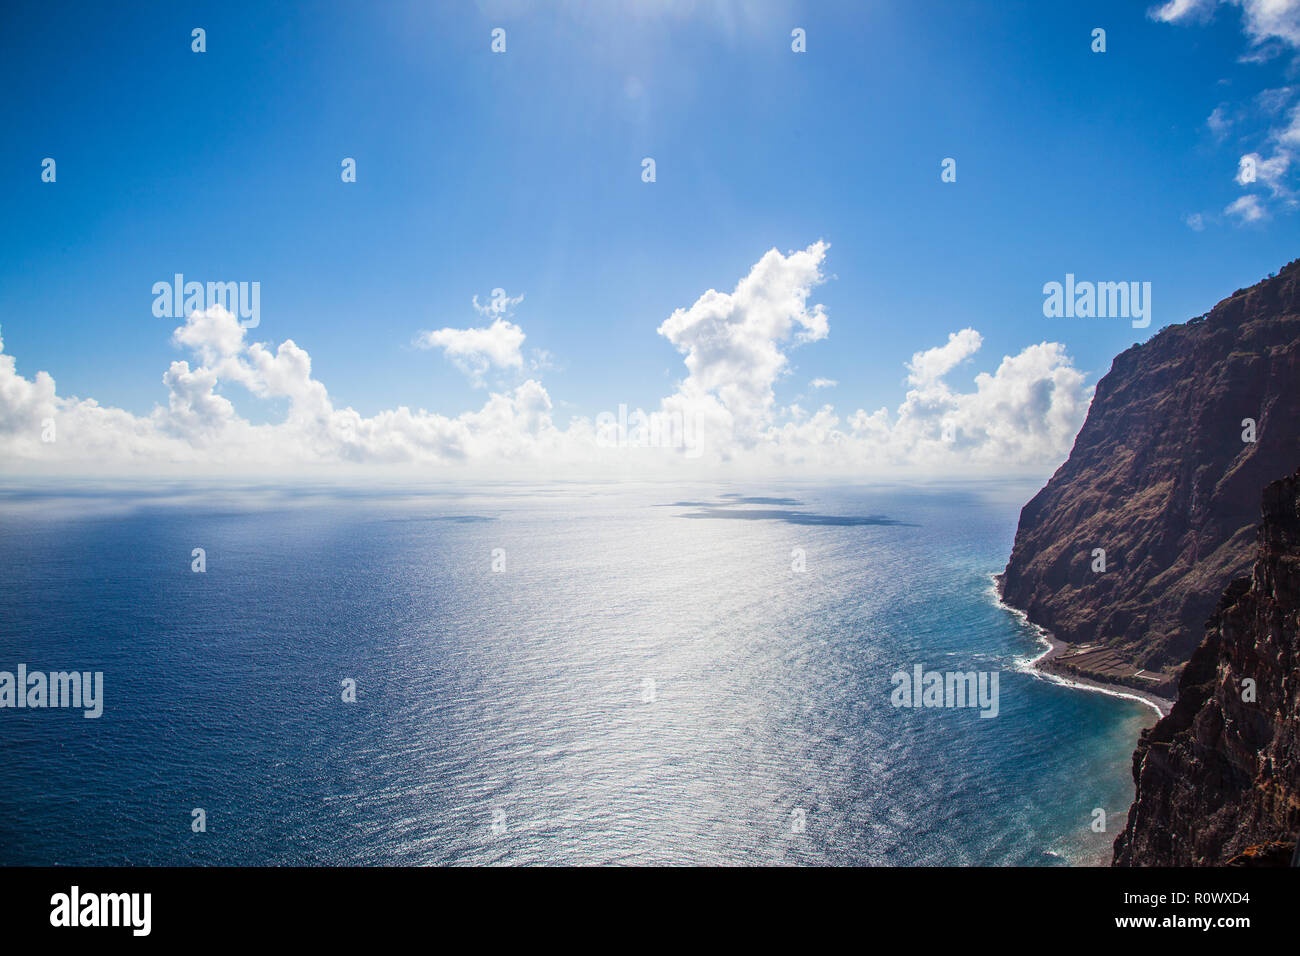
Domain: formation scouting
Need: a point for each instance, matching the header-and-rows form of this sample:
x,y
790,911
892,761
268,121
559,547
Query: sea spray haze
x,y
577,674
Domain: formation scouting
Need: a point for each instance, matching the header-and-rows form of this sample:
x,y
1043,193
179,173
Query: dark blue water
x,y
505,717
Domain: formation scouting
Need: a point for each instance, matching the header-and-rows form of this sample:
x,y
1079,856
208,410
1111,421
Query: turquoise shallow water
x,y
647,681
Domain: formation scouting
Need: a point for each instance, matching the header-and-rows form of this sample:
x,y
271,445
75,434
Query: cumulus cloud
x,y
1026,412
931,365
475,351
823,383
199,429
1022,415
1028,408
733,342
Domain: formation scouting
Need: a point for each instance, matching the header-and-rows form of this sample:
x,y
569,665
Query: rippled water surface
x,y
507,717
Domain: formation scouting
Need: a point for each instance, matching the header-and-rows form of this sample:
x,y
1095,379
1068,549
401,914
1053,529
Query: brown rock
x,y
1161,479
1218,780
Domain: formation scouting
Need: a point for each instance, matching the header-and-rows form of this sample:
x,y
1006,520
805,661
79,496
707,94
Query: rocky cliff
x,y
1218,780
1164,478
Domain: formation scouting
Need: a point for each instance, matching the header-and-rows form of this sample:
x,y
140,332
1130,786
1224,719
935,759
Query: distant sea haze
x,y
577,675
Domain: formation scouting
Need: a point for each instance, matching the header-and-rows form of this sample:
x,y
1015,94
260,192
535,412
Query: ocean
x,y
559,674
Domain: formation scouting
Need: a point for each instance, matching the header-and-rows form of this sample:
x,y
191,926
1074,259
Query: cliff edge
x,y
1218,780
1164,478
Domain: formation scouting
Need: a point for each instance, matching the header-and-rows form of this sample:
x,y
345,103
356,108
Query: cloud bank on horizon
x,y
1023,416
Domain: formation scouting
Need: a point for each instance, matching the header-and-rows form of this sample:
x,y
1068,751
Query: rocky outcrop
x,y
1218,780
1164,479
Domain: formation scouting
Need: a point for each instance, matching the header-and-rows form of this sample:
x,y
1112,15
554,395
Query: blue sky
x,y
522,171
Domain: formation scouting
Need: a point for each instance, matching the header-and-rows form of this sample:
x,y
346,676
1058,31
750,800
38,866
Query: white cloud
x,y
1269,25
931,365
1219,122
1027,409
1270,172
1272,19
1246,209
498,304
200,430
1289,135
823,383
1272,101
732,341
1177,10
1022,416
475,351
1262,20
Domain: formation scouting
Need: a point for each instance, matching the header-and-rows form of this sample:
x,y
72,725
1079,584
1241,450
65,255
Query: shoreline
x,y
1040,666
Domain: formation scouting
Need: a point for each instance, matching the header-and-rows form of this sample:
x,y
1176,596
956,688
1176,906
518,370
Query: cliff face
x,y
1162,480
1218,780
